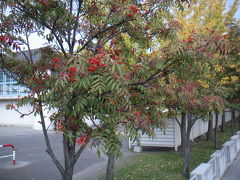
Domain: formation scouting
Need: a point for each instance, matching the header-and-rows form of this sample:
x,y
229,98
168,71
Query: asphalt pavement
x,y
33,163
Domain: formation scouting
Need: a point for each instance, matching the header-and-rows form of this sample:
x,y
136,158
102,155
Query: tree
x,y
188,99
82,71
208,14
185,88
214,16
230,72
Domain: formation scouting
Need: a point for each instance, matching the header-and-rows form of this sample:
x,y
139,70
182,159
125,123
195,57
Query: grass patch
x,y
168,165
151,166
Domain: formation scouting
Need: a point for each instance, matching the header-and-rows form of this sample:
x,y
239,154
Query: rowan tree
x,y
84,72
185,88
203,17
229,73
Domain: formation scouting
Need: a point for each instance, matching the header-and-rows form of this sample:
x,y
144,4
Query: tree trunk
x,y
69,153
70,157
215,134
223,121
110,167
68,174
210,128
234,120
232,117
186,165
47,141
238,123
183,132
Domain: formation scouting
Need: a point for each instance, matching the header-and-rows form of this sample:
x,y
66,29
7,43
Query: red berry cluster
x,y
133,10
96,61
55,62
72,71
38,81
82,140
44,2
130,15
59,125
137,113
116,58
190,39
4,39
138,66
225,36
236,101
37,89
9,41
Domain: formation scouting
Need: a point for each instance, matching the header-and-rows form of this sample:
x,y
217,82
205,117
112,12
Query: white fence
x,y
219,162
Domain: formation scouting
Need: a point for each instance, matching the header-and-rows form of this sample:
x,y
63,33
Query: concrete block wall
x,y
13,118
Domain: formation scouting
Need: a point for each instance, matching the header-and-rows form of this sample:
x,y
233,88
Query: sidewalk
x,y
99,169
93,172
233,172
32,158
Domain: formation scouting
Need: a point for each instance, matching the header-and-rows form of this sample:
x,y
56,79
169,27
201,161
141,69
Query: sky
x,y
37,42
237,15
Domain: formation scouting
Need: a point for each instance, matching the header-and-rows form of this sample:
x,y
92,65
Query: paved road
x,y
233,172
33,163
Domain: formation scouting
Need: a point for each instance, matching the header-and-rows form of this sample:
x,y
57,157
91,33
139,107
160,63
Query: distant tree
x,y
185,88
209,14
206,16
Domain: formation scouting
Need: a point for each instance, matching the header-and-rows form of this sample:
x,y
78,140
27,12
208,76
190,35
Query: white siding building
x,y
171,136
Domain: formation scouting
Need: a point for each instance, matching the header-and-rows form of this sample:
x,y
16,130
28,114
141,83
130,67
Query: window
x,y
9,86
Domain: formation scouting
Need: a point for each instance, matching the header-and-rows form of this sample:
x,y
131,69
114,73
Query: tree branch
x,y
103,31
21,8
158,73
178,121
75,26
29,49
47,141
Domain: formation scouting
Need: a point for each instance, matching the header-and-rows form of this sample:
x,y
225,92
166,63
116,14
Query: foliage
x,y
211,18
191,87
204,15
229,74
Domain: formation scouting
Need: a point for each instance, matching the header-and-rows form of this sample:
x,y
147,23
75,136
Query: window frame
x,y
9,87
